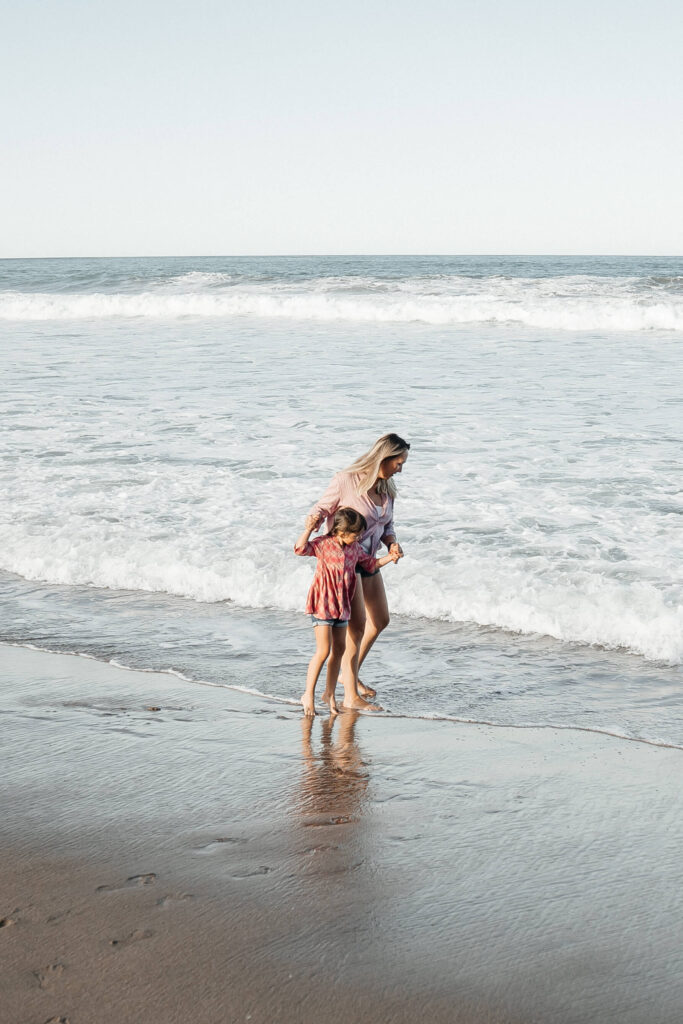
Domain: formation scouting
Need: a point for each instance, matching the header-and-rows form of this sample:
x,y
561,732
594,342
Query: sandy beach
x,y
175,852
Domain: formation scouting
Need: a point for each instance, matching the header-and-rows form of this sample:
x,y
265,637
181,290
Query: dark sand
x,y
220,860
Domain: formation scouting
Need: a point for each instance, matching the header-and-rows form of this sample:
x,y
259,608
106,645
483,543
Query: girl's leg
x,y
377,613
333,665
323,643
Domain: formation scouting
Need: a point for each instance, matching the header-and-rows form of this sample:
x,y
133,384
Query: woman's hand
x,y
396,550
313,522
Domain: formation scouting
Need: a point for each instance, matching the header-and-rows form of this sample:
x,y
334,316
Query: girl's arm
x,y
302,547
369,563
393,556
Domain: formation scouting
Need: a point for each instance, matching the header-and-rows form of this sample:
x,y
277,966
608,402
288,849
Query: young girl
x,y
329,599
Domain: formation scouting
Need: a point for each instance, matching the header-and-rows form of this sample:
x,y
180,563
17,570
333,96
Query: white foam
x,y
471,586
572,304
583,608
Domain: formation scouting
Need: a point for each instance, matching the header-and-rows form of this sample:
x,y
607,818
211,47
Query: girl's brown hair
x,y
347,520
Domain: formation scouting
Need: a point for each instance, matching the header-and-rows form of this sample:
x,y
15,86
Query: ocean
x,y
167,423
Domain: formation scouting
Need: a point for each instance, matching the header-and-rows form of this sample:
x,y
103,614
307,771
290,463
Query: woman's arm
x,y
389,535
328,504
393,545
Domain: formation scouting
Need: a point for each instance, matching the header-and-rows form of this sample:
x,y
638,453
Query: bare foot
x,y
358,704
364,691
334,710
308,705
329,698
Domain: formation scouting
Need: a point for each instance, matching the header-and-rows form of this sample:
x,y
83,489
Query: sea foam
x,y
473,586
567,304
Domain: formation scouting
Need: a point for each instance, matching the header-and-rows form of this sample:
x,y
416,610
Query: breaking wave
x,y
475,587
578,303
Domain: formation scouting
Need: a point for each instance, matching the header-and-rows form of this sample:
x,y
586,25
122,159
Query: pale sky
x,y
440,126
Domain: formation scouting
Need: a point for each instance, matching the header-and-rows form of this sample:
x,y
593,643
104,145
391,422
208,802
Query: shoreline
x,y
367,869
294,705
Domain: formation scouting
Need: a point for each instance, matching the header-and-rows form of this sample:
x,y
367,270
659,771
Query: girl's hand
x,y
313,522
397,550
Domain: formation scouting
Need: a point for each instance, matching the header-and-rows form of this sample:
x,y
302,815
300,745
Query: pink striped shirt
x,y
342,493
334,583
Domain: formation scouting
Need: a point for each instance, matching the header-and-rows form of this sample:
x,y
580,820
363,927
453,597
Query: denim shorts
x,y
329,622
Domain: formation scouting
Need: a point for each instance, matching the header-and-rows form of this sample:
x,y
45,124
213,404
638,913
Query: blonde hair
x,y
367,466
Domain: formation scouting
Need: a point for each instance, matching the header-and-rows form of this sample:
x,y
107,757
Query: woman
x,y
367,486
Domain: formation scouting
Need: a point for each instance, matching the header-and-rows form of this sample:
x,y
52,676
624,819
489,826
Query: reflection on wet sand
x,y
332,795
335,777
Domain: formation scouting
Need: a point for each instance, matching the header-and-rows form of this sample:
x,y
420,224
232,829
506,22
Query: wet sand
x,y
220,860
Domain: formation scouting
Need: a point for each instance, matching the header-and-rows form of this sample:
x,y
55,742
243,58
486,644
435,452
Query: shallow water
x,y
168,423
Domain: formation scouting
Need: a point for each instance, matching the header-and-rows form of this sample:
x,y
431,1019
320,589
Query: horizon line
x,y
359,255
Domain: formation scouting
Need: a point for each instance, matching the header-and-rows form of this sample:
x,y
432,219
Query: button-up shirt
x,y
342,493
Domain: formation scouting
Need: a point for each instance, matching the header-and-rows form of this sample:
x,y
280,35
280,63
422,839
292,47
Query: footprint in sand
x,y
136,936
261,870
174,897
320,821
231,840
56,918
48,975
131,882
58,1020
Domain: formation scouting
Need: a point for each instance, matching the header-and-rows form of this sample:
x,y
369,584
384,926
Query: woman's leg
x,y
354,635
349,672
323,642
376,611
